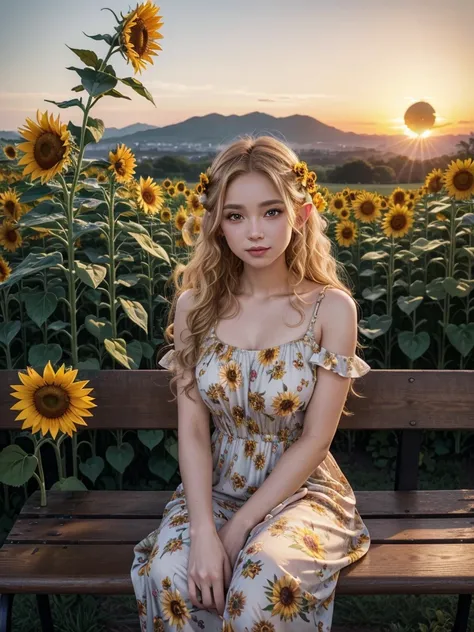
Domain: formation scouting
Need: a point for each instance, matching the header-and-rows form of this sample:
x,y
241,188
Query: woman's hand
x,y
233,536
209,571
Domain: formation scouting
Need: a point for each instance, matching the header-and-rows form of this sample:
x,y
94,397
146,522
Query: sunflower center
x,y
435,184
463,180
11,236
398,222
9,206
148,196
367,208
49,150
51,401
338,204
399,197
310,543
286,596
10,152
347,232
120,167
176,608
139,37
287,404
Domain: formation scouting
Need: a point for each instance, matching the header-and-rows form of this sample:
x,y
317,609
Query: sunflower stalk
x,y
40,478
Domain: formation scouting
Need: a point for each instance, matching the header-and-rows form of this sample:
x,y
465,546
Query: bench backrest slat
x,y
392,399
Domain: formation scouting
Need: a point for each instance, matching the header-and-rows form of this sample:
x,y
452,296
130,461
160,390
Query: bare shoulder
x,y
185,301
184,304
339,308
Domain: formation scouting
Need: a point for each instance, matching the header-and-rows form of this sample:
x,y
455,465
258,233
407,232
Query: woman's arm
x,y
194,442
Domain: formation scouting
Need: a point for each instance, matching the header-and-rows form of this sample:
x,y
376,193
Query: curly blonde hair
x,y
213,270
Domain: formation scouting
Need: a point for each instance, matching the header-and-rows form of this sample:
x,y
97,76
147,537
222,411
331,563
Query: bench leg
x,y
6,606
462,614
44,611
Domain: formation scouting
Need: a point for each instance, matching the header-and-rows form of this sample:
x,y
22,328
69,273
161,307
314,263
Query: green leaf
x,y
135,311
422,245
79,88
32,264
120,457
375,293
16,466
35,192
94,81
138,87
129,355
91,274
467,219
375,326
417,288
457,287
68,104
88,57
107,38
374,256
435,289
408,304
461,337
70,484
116,94
39,355
164,468
151,438
131,227
93,133
150,246
8,331
46,214
413,345
100,328
92,468
171,446
40,306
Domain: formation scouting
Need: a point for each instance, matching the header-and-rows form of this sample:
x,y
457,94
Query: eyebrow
x,y
239,206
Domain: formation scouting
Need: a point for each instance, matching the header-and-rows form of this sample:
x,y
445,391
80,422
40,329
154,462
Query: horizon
x,y
426,64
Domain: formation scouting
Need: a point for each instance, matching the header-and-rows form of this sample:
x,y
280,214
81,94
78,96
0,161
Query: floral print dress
x,y
285,575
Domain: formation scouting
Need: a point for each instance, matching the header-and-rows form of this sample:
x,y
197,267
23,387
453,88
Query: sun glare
x,y
411,134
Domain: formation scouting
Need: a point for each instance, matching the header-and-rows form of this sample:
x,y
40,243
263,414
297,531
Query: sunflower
x,y
10,152
366,207
180,186
383,203
149,196
166,183
180,218
191,228
187,192
398,196
286,403
346,233
165,215
344,214
123,163
140,34
319,202
286,597
193,202
48,147
338,202
459,179
53,402
10,204
309,542
171,191
10,237
5,270
397,222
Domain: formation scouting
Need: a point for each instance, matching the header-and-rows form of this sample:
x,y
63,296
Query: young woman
x,y
265,340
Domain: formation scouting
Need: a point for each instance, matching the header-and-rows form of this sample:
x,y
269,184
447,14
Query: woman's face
x,y
254,215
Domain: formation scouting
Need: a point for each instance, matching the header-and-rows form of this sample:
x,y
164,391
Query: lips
x,y
256,249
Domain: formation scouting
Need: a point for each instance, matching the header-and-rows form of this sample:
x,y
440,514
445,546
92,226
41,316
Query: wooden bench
x,y
422,541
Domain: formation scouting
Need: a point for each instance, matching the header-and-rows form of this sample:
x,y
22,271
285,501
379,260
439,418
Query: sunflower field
x,y
87,251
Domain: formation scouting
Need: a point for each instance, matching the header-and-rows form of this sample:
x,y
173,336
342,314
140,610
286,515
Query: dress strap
x,y
321,295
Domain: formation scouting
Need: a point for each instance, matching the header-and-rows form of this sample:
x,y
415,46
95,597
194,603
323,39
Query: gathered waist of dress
x,y
285,437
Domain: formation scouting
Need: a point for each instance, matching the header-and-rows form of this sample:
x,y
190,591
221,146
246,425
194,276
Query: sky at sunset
x,y
353,64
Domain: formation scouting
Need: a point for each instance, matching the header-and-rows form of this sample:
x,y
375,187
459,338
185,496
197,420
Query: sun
x,y
412,134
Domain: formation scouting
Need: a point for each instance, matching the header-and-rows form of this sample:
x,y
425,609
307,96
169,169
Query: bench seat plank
x,y
150,504
99,569
132,530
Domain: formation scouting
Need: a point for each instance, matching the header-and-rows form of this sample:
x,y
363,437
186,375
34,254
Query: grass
x,y
361,613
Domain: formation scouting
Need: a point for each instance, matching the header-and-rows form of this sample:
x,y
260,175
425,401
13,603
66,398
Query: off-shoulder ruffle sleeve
x,y
166,361
346,366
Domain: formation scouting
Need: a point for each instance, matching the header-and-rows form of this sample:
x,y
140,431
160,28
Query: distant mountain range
x,y
300,131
